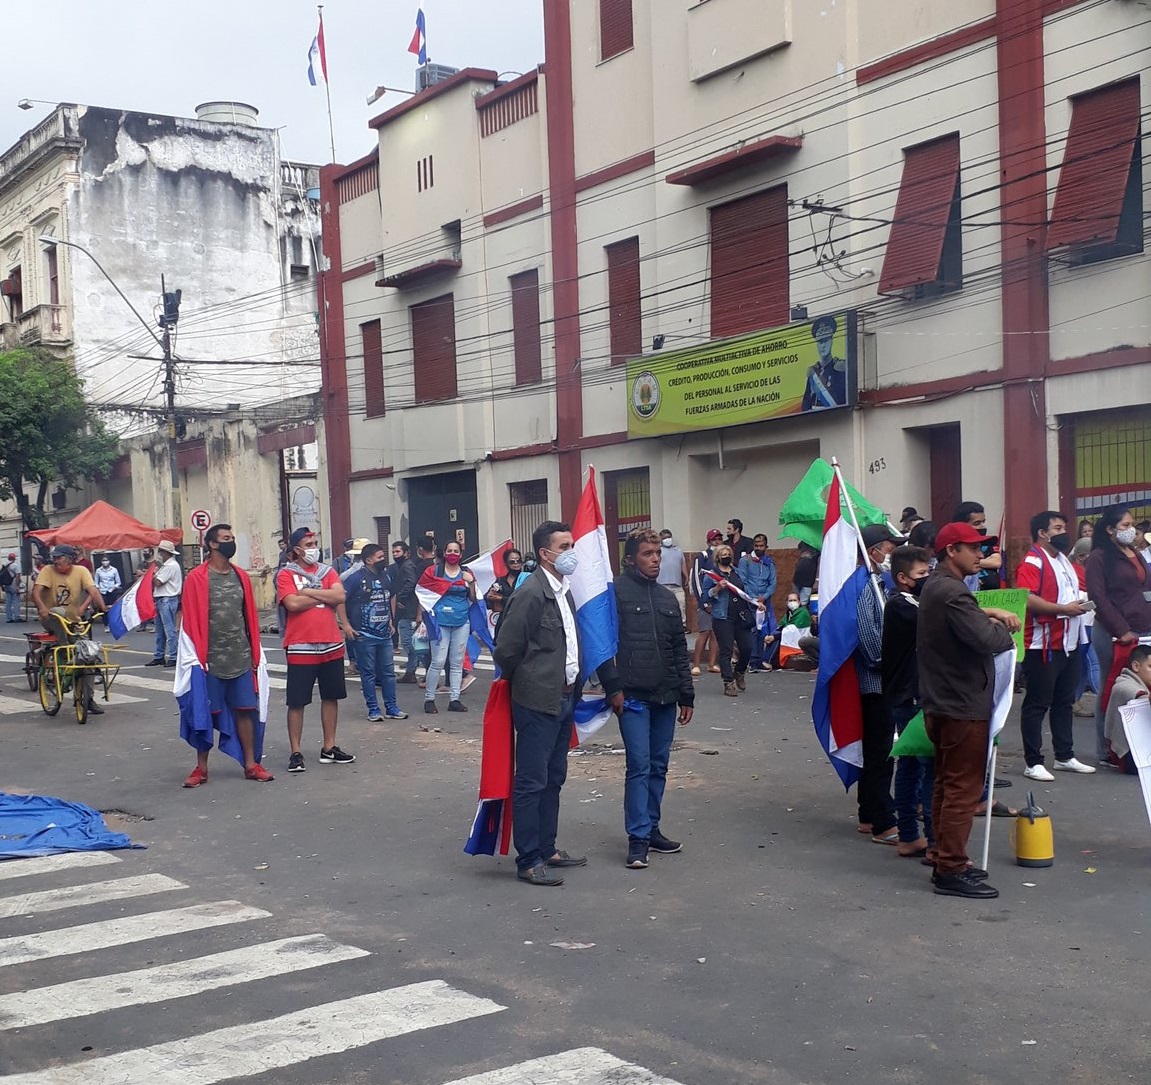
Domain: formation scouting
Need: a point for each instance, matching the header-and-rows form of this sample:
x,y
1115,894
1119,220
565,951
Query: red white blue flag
x,y
134,607
419,42
835,708
318,57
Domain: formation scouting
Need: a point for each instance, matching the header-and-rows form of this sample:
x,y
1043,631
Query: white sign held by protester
x,y
1137,723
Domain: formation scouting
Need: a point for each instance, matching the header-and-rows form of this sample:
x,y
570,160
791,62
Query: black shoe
x,y
430,708
660,843
407,679
636,855
1001,783
457,706
561,859
963,885
296,763
154,663
336,756
538,875
169,663
976,874
95,709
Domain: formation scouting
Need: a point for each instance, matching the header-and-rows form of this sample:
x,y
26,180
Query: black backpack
x,y
6,576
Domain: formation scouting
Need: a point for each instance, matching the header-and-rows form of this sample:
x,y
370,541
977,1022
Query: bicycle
x,y
56,669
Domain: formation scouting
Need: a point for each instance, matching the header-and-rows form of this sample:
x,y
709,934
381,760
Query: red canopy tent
x,y
104,527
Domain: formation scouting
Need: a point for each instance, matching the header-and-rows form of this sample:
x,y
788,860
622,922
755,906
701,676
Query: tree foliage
x,y
48,434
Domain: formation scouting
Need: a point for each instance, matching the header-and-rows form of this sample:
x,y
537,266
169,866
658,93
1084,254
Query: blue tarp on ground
x,y
43,825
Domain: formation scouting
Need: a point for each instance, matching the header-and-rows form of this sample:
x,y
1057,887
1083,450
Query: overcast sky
x,y
168,57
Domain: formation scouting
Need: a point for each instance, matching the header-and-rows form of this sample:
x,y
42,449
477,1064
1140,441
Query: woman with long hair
x,y
456,587
1119,584
733,620
503,586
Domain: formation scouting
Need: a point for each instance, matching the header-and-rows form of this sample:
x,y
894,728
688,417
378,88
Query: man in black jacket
x,y
406,573
538,651
648,678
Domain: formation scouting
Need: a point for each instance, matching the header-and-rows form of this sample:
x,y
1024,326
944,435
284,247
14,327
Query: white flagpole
x,y
327,85
990,806
858,534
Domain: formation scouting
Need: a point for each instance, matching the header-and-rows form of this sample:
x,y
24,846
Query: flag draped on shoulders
x,y
836,709
197,721
134,607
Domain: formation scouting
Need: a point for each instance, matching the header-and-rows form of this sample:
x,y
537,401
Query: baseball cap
x,y
874,534
909,513
714,534
11,557
299,535
63,551
954,533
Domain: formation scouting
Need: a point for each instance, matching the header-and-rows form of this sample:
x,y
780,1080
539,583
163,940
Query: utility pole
x,y
170,314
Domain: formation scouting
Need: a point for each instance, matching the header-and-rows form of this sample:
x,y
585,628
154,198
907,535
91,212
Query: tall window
x,y
529,501
526,326
52,265
750,287
616,34
625,315
434,348
373,350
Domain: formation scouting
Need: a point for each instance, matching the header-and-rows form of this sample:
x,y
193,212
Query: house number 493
x,y
876,466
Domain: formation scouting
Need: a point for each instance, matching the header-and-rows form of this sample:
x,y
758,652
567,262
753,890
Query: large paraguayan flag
x,y
134,607
835,707
419,42
317,52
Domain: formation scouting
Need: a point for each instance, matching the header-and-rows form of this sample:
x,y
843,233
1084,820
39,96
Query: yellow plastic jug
x,y
1033,837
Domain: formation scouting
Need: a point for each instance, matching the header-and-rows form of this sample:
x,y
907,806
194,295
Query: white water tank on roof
x,y
228,113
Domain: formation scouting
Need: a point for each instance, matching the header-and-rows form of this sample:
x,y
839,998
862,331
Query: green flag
x,y
914,741
805,509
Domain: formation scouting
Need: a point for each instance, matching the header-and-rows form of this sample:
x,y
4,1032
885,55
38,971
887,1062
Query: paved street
x,y
327,927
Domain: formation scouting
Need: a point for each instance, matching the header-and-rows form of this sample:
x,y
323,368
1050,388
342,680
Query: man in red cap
x,y
957,643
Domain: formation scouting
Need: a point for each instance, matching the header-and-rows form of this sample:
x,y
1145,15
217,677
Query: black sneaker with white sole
x,y
636,855
336,756
661,843
296,763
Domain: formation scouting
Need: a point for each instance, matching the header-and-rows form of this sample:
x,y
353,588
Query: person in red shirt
x,y
1051,635
313,600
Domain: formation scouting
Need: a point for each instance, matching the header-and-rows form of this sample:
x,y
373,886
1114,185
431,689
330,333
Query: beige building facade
x,y
677,197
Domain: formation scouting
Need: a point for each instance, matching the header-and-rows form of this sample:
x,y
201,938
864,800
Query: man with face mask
x,y
757,571
1051,638
876,808
108,582
538,651
371,612
313,598
673,570
221,680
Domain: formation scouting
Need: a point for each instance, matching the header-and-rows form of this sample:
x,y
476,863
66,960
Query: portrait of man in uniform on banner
x,y
827,379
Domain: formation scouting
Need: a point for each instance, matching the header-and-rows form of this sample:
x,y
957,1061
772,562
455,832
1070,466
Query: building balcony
x,y
421,268
45,325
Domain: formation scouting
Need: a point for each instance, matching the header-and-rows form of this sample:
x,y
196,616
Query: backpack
x,y
6,576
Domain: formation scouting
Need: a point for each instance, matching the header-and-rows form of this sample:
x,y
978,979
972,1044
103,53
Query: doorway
x,y
445,506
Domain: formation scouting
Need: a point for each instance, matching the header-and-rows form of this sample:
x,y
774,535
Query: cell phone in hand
x,y
1089,605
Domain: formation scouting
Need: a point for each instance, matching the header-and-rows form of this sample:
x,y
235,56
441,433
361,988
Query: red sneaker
x,y
199,776
258,772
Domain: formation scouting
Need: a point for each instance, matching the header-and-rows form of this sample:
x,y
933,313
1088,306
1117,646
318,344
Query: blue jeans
x,y
374,660
542,744
415,659
1089,676
166,607
11,605
647,736
914,785
450,649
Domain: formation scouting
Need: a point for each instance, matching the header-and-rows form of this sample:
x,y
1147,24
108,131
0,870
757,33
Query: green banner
x,y
796,369
1012,599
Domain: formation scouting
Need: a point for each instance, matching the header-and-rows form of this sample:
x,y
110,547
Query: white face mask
x,y
793,604
312,555
667,542
1125,536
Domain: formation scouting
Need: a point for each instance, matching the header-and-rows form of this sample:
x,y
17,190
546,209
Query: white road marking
x,y
46,864
88,937
126,677
583,1066
72,896
10,706
249,1049
181,979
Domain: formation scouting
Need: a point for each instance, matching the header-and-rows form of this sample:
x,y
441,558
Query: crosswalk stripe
x,y
71,896
249,1049
180,979
140,681
583,1066
12,706
88,937
46,864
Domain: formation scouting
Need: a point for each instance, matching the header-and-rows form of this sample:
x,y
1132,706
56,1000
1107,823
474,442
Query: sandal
x,y
998,810
919,853
862,828
890,837
713,669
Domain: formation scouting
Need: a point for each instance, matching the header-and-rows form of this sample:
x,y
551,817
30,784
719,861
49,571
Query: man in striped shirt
x,y
313,599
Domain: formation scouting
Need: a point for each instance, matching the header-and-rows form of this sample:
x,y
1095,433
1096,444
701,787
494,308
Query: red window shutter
x,y
373,349
615,28
922,209
750,271
434,348
1096,164
625,313
526,326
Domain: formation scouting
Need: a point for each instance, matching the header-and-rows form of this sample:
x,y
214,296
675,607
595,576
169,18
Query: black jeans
x,y
542,744
729,634
1051,686
876,806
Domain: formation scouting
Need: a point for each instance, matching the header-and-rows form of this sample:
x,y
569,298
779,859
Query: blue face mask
x,y
566,562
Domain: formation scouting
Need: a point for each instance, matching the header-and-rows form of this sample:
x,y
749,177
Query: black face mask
x,y
981,530
227,549
1060,543
917,586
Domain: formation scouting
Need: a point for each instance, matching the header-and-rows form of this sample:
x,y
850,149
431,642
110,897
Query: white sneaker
x,y
1074,765
1039,772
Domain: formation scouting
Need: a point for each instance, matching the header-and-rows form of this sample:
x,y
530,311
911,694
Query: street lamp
x,y
28,103
171,310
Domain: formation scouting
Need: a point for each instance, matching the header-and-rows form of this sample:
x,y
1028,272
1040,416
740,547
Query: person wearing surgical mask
x,y
673,573
1119,584
538,652
315,622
